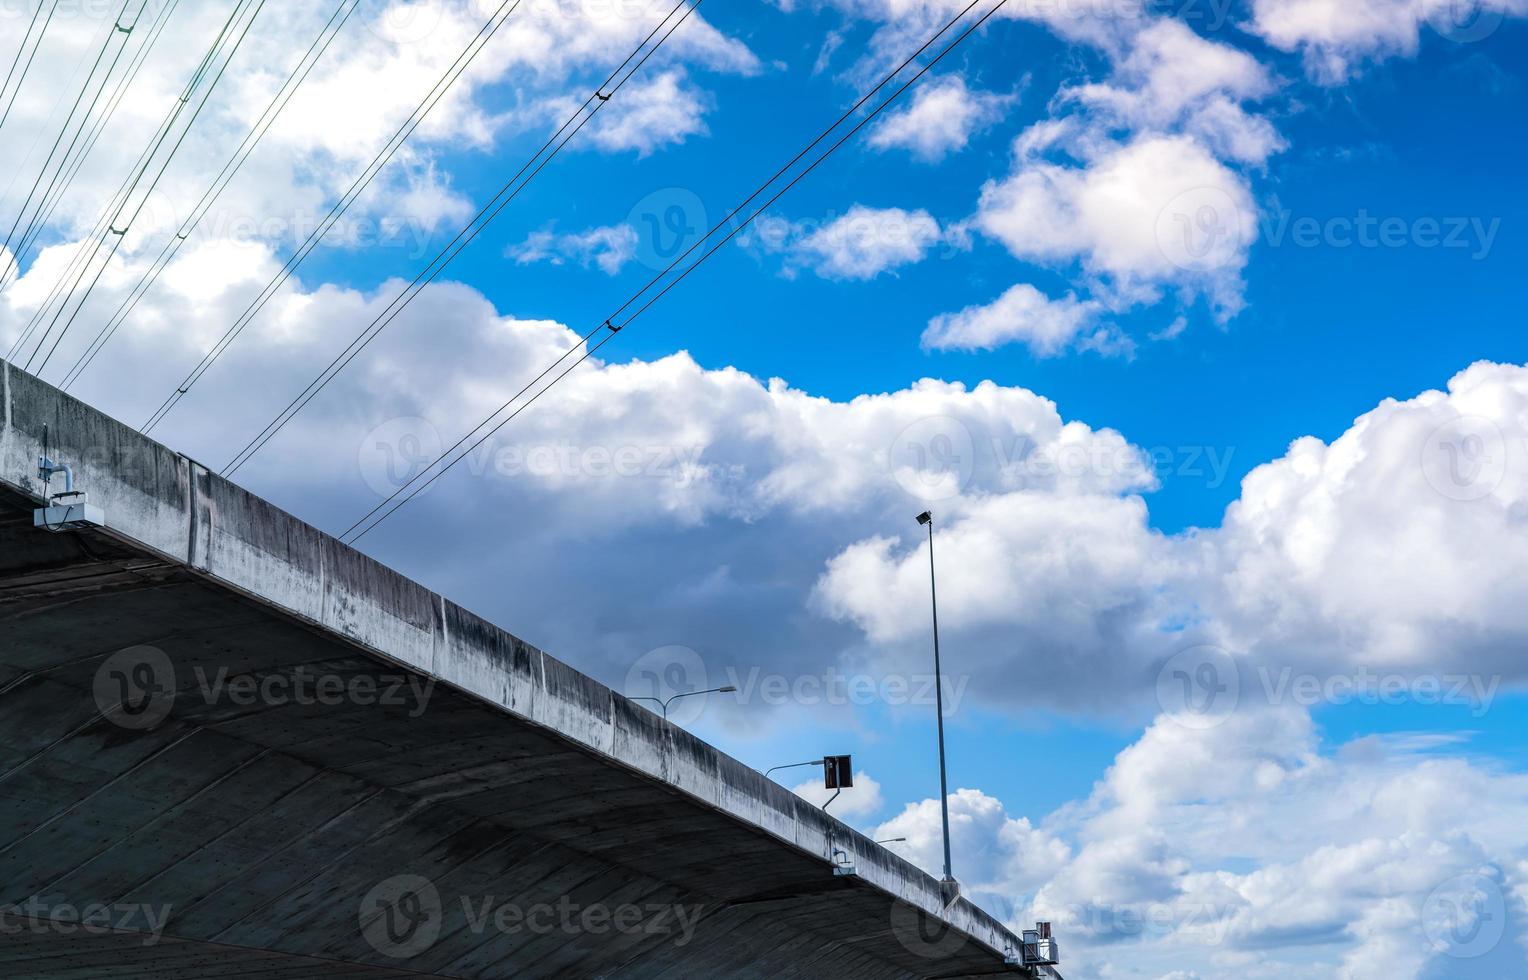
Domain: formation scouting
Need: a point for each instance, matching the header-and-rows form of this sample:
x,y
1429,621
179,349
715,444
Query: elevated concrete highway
x,y
231,746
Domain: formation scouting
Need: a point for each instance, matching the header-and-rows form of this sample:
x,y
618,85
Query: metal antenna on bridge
x,y
65,511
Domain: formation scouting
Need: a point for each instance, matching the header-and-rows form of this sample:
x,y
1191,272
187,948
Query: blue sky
x,y
1328,331
1006,271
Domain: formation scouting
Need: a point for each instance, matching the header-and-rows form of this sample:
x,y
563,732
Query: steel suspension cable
x,y
25,38
214,54
507,193
117,28
360,184
392,503
51,203
604,324
251,141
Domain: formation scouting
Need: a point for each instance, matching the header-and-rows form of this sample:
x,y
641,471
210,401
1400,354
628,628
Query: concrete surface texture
x,y
232,746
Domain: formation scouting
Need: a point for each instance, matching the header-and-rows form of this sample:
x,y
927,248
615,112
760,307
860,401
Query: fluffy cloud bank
x,y
798,508
1165,208
1128,217
1254,850
379,68
1336,37
765,482
1309,570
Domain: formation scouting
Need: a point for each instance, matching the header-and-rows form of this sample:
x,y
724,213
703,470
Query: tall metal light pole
x,y
948,885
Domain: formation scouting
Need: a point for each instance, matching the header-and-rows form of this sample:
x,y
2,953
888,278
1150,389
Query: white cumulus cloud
x,y
1155,213
861,243
1024,314
942,118
861,800
609,247
1337,37
1254,849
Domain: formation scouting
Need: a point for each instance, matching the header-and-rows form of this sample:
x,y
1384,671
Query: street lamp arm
x,y
664,704
728,689
792,765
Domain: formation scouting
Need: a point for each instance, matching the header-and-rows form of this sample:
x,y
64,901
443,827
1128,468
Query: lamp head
x,y
729,689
